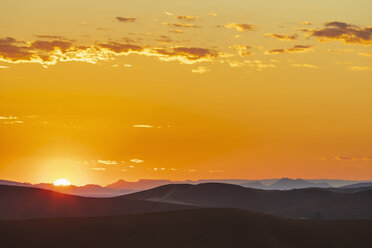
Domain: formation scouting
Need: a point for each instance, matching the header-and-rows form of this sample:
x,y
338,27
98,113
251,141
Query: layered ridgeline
x,y
309,203
122,187
207,228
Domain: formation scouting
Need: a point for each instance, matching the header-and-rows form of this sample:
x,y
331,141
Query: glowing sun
x,y
62,182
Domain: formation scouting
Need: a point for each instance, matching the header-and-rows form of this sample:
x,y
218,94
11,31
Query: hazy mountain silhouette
x,y
122,187
254,185
358,185
24,203
204,228
142,184
309,203
287,183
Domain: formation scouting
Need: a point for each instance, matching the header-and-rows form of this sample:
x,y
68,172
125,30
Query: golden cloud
x,y
348,33
309,66
186,18
283,37
200,70
359,68
243,50
51,52
241,27
180,25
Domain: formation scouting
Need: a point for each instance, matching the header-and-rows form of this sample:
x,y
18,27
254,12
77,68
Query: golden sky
x,y
94,91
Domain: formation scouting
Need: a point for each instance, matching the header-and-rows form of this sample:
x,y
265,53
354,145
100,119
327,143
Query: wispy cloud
x,y
143,126
200,70
241,27
309,66
359,68
181,25
283,37
126,19
294,49
243,50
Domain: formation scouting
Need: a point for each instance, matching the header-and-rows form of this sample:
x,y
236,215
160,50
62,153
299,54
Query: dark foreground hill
x,y
25,203
309,203
204,228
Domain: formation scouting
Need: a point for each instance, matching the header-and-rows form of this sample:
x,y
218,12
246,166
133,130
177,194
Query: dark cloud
x,y
121,48
51,45
165,39
13,50
348,33
49,52
126,19
294,49
283,36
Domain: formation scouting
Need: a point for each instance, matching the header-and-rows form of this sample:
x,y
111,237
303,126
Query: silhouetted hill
x,y
309,203
204,228
24,203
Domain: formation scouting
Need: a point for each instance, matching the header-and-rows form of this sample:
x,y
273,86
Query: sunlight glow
x,y
62,182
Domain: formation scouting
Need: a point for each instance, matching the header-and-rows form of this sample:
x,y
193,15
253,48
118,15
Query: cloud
x,y
107,162
365,54
126,19
200,70
243,50
359,68
212,14
348,33
306,23
187,55
294,49
53,37
176,31
137,161
51,45
186,18
8,118
242,27
121,48
181,25
13,50
53,51
309,66
340,51
343,158
4,67
283,37
143,126
165,39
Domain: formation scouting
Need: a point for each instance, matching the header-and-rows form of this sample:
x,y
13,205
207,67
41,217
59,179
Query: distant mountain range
x,y
122,187
207,228
307,203
18,202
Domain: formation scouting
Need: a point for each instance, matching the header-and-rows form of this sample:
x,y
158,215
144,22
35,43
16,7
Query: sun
x,y
62,182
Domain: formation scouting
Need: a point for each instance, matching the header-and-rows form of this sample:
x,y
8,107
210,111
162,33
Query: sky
x,y
96,91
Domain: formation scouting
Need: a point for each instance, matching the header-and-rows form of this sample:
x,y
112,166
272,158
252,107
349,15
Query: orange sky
x,y
185,90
